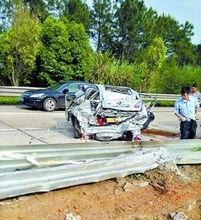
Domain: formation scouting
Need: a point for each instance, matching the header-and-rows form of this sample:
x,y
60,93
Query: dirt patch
x,y
160,133
153,195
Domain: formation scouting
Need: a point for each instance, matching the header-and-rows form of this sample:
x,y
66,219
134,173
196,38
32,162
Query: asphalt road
x,y
22,125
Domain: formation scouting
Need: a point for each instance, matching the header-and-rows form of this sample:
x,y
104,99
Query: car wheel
x,y
76,129
128,136
49,105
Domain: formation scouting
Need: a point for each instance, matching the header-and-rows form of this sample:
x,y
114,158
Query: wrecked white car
x,y
105,112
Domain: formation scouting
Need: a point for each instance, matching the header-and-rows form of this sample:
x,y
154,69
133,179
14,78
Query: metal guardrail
x,y
14,90
49,178
106,161
162,97
17,91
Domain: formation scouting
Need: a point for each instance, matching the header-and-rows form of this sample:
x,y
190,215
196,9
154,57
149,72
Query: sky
x,y
181,10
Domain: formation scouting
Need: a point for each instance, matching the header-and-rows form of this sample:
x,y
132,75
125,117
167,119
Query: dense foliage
x,y
65,52
19,47
115,42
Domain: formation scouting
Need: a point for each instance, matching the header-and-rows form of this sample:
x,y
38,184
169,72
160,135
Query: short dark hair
x,y
185,89
194,85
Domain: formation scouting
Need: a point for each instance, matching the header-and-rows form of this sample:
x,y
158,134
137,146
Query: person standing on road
x,y
186,109
195,93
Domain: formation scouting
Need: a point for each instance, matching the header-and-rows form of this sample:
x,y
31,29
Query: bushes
x,y
172,77
108,70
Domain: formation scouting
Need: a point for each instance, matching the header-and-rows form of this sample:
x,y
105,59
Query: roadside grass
x,y
196,149
165,103
9,100
162,103
13,100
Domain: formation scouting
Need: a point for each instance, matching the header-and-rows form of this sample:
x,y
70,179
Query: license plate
x,y
112,120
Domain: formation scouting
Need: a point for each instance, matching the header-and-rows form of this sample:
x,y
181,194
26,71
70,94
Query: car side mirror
x,y
65,91
84,88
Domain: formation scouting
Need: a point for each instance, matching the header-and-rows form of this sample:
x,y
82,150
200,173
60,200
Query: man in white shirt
x,y
185,109
195,93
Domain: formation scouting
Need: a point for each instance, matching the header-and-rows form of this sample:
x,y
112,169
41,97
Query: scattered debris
x,y
178,216
121,181
70,216
134,185
191,205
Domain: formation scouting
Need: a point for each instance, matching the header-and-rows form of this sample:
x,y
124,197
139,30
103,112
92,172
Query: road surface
x,y
22,125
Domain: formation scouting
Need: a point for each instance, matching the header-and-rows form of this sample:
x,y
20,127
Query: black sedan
x,y
52,97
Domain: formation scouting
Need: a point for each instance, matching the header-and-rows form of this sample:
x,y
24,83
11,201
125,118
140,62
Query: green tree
x,y
108,70
78,11
102,24
198,51
37,8
134,28
173,77
6,12
170,78
19,47
73,10
152,58
177,38
65,53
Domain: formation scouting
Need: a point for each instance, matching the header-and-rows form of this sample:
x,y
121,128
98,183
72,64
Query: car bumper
x,y
113,131
36,103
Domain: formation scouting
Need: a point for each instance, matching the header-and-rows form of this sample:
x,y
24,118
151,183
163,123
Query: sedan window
x,y
73,88
56,86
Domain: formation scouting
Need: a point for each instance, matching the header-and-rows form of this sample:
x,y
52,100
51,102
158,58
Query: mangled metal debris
x,y
70,216
45,179
108,112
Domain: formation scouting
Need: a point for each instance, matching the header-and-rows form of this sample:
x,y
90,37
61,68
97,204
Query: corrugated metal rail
x,y
17,91
39,168
46,179
23,157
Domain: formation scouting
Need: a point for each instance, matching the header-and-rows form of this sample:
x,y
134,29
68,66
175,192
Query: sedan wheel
x,y
49,105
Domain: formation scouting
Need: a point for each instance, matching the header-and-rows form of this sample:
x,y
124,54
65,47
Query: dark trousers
x,y
188,129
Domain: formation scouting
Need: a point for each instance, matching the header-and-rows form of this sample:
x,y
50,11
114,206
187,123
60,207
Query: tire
x,y
76,129
49,104
128,136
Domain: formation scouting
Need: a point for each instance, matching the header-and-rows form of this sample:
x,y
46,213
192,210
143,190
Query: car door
x,y
68,90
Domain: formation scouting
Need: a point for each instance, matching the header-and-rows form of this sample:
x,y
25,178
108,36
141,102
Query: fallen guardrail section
x,y
41,168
